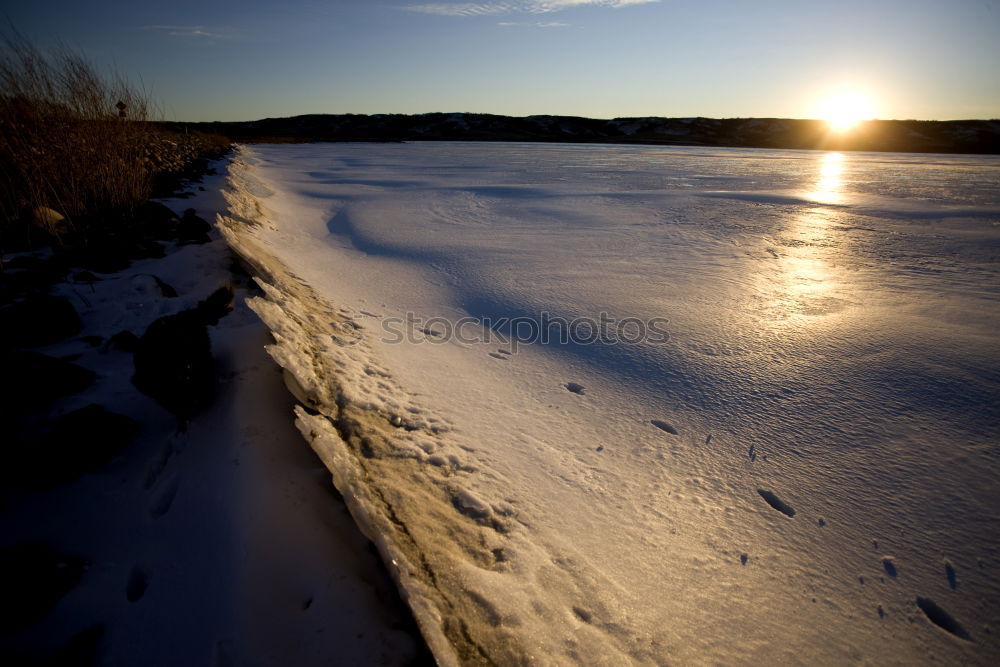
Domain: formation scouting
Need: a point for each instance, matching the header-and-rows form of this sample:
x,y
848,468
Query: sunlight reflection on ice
x,y
808,281
828,187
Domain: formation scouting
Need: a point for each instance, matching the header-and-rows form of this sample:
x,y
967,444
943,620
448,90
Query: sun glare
x,y
845,110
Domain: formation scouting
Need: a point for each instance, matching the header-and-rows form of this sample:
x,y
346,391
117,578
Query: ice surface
x,y
823,391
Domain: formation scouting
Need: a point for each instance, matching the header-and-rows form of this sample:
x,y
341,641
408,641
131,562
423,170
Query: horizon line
x,y
552,115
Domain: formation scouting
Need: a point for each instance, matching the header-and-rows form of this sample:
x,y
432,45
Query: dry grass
x,y
65,146
62,142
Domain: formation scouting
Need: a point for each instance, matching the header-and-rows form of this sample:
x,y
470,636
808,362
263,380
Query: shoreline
x,y
218,540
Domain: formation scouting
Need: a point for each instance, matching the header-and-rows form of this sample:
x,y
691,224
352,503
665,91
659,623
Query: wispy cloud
x,y
537,24
556,5
464,8
196,31
515,6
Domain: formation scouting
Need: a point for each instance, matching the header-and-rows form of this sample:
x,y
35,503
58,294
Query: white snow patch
x,y
831,345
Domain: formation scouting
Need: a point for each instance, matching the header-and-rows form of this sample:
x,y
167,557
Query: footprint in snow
x,y
777,503
469,505
138,582
663,426
165,499
949,571
575,388
941,618
156,467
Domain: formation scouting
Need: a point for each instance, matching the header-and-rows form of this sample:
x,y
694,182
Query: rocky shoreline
x,y
134,454
79,255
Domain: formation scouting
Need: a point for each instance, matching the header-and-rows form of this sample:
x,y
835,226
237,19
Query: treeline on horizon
x,y
921,136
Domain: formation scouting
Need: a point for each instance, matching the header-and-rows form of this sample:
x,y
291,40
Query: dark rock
x,y
173,359
52,223
33,277
20,235
146,248
156,220
174,365
34,380
218,304
193,228
33,578
85,277
125,341
105,256
38,320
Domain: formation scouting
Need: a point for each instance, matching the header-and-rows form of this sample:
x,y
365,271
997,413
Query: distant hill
x,y
958,136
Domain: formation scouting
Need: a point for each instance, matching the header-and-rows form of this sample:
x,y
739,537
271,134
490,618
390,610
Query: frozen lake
x,y
614,404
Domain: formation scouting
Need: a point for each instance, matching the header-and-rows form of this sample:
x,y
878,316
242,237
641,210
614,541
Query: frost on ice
x,y
727,493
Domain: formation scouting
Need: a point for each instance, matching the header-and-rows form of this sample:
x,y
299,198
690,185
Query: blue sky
x,y
248,59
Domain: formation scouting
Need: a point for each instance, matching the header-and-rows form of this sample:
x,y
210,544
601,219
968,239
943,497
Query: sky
x,y
250,59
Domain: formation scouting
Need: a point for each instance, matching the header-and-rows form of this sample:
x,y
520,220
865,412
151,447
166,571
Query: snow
x,y
727,493
216,544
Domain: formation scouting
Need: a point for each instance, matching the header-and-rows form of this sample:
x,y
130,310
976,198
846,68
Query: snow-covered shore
x,y
801,471
764,485
222,543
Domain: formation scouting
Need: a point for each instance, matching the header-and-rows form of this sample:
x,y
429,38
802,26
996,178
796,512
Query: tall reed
x,y
64,145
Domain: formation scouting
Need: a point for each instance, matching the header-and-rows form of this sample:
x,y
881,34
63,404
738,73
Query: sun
x,y
843,110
